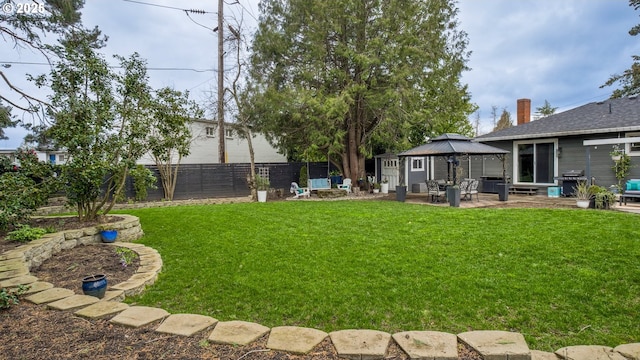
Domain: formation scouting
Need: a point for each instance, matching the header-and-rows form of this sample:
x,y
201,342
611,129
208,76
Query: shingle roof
x,y
607,116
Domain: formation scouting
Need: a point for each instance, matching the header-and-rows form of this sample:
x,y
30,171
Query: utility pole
x,y
221,135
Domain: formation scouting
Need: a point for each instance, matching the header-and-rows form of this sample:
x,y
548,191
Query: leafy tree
x,y
504,122
629,80
338,78
24,189
6,120
100,118
169,137
25,31
546,109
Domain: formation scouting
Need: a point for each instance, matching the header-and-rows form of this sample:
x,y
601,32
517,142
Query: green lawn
x,y
560,277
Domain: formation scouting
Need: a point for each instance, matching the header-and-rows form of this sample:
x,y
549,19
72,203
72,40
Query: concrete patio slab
x,y
588,352
361,344
543,355
73,302
497,345
102,309
49,295
295,339
631,351
432,345
38,286
237,332
185,324
137,316
20,280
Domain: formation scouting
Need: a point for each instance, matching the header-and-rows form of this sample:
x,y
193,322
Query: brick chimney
x,y
524,111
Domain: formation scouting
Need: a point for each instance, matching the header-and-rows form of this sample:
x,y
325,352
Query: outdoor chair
x,y
464,189
346,185
298,192
472,188
433,190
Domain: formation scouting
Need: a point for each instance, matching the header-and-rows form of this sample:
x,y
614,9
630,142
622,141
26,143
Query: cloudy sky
x,y
555,50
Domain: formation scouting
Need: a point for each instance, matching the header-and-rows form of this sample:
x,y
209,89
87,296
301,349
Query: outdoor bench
x,y
528,190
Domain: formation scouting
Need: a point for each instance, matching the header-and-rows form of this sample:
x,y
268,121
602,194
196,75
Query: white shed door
x,y
391,172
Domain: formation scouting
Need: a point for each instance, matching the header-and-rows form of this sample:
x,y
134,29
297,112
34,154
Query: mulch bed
x,y
34,332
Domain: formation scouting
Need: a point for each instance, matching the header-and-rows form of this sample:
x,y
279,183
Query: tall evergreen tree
x,y
629,80
337,78
504,122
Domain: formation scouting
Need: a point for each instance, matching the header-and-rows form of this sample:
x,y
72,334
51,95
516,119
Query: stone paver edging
x,y
351,344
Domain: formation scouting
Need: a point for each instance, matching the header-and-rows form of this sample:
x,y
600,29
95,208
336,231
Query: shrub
x,y
9,297
262,183
25,233
127,256
303,176
143,179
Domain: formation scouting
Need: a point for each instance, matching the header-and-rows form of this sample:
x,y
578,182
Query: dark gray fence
x,y
198,181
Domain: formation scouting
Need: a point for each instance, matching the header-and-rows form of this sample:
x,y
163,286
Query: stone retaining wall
x,y
37,251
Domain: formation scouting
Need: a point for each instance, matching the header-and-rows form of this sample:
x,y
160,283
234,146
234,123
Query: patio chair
x,y
464,189
298,192
346,185
433,190
473,189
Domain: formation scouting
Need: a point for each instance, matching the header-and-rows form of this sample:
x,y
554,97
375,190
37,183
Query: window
x,y
535,161
633,149
263,172
61,157
228,133
210,131
417,164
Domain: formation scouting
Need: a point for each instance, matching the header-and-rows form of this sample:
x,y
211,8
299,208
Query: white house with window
x,y
204,147
579,139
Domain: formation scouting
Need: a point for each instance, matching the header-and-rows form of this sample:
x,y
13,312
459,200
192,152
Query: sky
x,y
561,51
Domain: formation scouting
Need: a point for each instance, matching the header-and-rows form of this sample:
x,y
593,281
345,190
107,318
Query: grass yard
x,y
558,276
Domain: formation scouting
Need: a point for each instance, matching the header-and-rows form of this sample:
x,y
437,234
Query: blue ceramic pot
x,y
95,285
109,236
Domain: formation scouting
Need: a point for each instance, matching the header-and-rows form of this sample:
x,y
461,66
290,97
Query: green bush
x,y
25,233
303,176
9,297
143,179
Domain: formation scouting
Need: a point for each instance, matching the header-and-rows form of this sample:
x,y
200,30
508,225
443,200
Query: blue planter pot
x,y
109,236
95,285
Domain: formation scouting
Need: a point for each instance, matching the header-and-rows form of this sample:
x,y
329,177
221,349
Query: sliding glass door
x,y
535,162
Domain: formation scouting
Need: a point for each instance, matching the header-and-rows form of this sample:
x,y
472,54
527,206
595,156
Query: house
x,y
577,141
204,147
55,157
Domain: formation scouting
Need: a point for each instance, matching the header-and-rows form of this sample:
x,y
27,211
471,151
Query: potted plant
x,y
601,198
262,185
503,187
95,285
108,233
621,166
384,186
583,195
376,188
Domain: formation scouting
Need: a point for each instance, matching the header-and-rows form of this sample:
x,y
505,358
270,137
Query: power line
x,y
115,66
194,11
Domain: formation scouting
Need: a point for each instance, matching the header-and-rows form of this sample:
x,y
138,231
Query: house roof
x,y
612,115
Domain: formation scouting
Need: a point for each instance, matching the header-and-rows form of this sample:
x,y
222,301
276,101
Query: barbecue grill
x,y
570,180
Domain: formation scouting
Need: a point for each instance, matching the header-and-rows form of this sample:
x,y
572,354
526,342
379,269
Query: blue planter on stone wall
x,y
109,236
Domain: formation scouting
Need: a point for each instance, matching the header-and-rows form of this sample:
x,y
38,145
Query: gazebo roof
x,y
452,144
